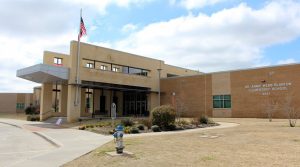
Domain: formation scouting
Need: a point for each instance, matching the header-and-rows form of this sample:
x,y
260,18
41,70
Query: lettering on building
x,y
267,88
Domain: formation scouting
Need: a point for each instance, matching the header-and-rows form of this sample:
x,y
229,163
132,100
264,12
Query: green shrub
x,y
141,127
170,127
155,128
203,119
30,110
134,130
163,116
127,122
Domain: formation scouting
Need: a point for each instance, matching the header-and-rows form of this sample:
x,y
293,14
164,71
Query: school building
x,y
105,76
137,84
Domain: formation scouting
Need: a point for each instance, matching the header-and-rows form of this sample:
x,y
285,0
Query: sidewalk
x,y
69,143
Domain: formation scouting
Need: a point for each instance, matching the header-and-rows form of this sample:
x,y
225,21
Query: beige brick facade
x,y
252,92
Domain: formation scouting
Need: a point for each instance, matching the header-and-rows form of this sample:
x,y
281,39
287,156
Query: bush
x,y
170,127
112,131
203,119
163,116
127,122
81,127
182,122
155,128
134,130
141,127
33,118
147,122
127,129
30,110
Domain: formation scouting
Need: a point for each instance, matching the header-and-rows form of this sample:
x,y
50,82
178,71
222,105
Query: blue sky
x,y
205,35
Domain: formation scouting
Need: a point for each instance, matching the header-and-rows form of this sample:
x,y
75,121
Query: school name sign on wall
x,y
265,89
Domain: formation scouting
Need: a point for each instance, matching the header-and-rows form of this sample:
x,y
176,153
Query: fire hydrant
x,y
118,136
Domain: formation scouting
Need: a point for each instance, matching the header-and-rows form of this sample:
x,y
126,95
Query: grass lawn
x,y
256,142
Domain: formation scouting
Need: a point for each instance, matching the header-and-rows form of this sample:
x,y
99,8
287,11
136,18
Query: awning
x,y
44,73
110,86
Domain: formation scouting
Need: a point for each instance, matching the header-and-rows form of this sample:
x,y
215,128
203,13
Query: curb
x,y
221,126
45,137
48,139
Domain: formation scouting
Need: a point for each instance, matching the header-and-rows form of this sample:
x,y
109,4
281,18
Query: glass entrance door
x,y
135,103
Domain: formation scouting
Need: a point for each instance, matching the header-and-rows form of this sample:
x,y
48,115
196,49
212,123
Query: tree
x,y
272,105
291,110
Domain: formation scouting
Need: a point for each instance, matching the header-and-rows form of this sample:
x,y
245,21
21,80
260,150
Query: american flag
x,y
82,29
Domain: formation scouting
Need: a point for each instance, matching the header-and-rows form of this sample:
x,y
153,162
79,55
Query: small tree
x,y
271,106
291,110
180,108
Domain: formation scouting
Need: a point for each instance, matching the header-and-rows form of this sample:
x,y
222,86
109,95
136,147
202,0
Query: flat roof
x,y
245,69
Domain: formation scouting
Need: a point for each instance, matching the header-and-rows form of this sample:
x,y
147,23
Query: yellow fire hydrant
x,y
118,138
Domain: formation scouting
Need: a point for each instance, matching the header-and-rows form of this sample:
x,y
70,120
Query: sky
x,y
204,35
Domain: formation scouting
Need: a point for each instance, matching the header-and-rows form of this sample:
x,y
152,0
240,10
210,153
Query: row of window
x,y
123,69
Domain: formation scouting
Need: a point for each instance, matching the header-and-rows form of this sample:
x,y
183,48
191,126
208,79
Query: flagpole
x,y
78,56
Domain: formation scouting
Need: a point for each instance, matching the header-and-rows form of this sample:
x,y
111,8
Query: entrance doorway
x,y
135,104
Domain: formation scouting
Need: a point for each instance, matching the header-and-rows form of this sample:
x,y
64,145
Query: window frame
x,y
103,67
58,61
222,101
89,65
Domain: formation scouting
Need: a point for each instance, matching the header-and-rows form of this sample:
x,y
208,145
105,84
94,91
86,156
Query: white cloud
x,y
287,61
32,26
228,39
195,4
128,28
101,5
17,54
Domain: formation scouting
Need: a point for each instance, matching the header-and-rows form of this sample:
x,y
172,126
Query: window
x,y
222,101
171,75
125,70
103,67
89,65
57,61
115,69
20,106
138,71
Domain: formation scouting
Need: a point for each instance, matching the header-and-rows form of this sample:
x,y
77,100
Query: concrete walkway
x,y
49,145
59,145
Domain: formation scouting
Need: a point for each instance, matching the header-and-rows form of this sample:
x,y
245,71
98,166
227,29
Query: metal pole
x,y
159,70
77,68
205,94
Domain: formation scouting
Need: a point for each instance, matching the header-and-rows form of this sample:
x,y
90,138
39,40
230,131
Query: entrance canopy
x,y
98,85
44,73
